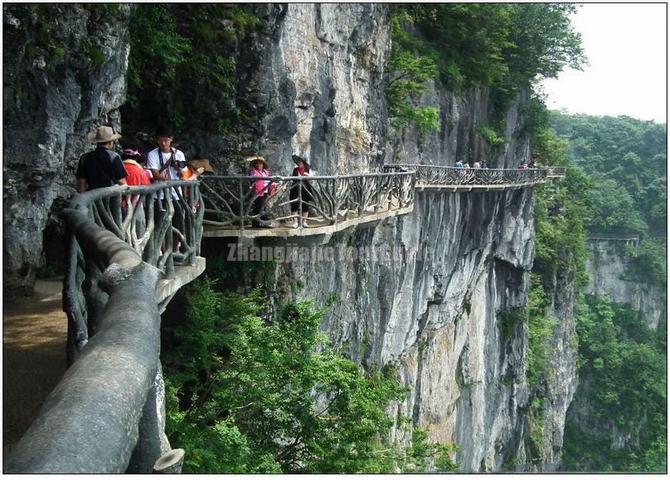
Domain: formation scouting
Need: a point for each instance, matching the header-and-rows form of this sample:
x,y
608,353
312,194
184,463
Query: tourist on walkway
x,y
197,167
168,163
300,189
165,161
137,176
194,170
459,165
103,166
477,165
261,188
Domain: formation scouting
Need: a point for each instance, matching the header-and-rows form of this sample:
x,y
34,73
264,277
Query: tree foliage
x,y
253,392
626,160
182,66
623,362
506,47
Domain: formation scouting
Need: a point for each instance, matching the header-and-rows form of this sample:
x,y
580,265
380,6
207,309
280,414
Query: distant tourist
x,y
459,164
260,168
103,166
477,165
300,189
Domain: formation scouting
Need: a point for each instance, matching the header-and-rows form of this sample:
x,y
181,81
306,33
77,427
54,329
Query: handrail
x,y
439,175
106,415
240,201
142,217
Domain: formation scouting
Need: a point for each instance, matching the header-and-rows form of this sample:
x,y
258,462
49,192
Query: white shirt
x,y
154,163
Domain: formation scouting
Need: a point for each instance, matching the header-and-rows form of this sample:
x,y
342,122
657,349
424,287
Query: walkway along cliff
x,y
316,83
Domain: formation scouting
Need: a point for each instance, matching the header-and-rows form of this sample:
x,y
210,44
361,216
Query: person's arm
x,y
119,171
180,159
82,185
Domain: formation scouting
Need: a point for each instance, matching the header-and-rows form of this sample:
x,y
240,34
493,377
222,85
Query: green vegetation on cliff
x,y
619,423
253,391
183,66
625,160
506,47
617,420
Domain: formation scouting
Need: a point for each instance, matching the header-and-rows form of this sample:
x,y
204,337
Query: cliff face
x,y
608,266
424,291
61,79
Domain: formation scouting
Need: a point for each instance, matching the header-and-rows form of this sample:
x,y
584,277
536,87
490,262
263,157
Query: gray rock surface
x,y
608,265
50,102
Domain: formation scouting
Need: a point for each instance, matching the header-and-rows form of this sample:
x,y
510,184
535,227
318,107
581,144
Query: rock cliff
x,y
424,291
608,266
64,73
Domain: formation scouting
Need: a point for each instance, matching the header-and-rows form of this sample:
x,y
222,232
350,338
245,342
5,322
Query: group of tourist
x,y
461,164
300,194
104,167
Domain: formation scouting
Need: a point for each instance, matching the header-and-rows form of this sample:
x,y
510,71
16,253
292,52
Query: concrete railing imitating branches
x,y
555,172
437,176
241,201
142,217
107,413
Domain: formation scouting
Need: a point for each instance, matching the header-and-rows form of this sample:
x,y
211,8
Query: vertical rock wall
x,y
608,265
64,73
428,288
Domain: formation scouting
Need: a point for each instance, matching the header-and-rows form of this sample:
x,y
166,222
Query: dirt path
x,y
34,337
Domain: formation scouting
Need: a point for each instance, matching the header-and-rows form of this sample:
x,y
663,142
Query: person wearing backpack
x,y
103,166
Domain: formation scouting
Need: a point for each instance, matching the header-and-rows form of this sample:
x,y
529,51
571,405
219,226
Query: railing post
x,y
241,189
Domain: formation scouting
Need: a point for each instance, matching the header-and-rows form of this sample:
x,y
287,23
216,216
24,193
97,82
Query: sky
x,y
626,48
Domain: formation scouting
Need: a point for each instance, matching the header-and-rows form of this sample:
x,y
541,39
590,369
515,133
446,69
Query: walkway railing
x,y
435,176
243,201
614,237
142,217
107,413
555,172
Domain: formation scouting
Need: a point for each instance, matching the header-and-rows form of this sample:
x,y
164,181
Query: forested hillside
x,y
625,160
617,420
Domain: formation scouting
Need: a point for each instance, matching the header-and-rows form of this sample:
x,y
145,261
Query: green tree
x,y
622,364
254,392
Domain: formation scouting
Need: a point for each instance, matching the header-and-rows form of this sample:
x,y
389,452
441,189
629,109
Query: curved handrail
x,y
107,413
90,422
142,217
240,201
438,175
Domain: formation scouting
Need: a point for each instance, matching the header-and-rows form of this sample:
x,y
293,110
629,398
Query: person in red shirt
x,y
137,175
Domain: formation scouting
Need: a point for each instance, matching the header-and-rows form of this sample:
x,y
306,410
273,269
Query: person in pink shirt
x,y
260,168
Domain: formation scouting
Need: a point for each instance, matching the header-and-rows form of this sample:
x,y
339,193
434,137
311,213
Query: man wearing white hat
x,y
103,166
